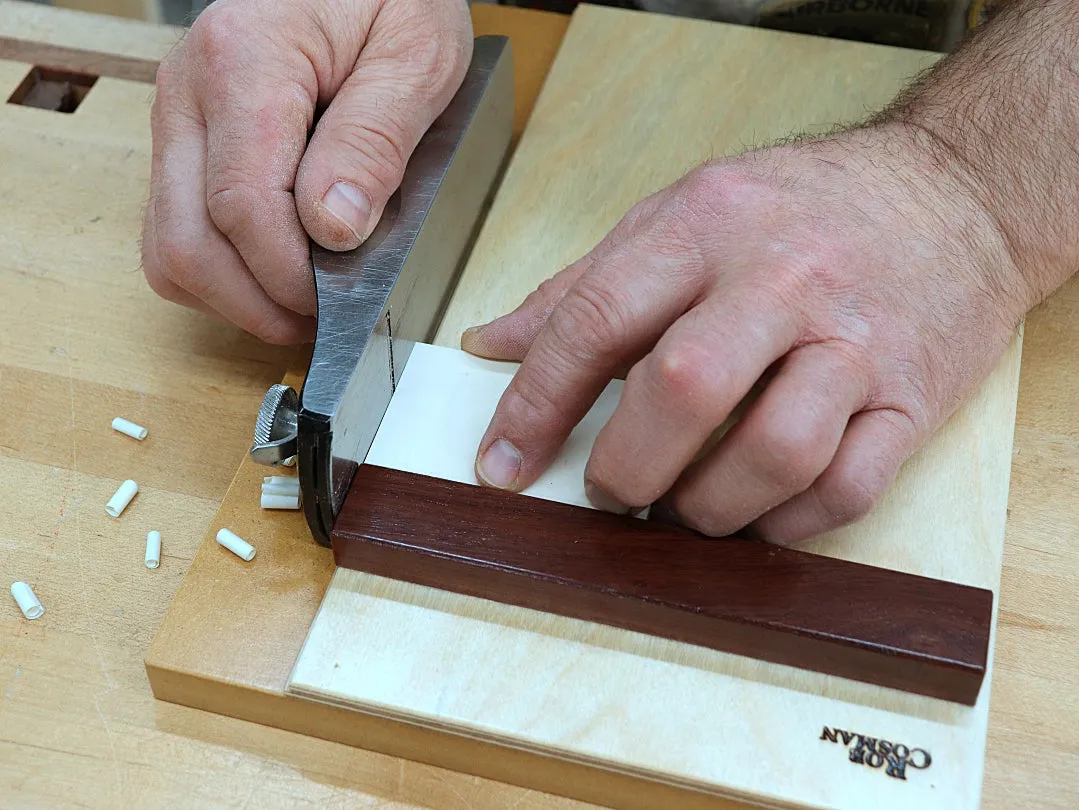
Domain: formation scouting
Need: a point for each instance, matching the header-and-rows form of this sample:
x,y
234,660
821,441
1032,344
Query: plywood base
x,y
653,707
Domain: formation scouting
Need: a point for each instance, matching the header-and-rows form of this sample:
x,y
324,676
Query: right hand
x,y
235,186
863,280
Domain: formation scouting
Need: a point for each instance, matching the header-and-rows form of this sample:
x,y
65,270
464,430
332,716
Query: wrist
x,y
964,197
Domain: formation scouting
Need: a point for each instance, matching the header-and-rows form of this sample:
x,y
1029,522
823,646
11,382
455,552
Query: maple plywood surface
x,y
78,724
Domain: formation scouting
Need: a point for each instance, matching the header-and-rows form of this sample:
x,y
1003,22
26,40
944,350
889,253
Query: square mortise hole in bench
x,y
52,89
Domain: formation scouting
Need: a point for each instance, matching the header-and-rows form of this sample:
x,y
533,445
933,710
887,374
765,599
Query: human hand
x,y
235,185
859,278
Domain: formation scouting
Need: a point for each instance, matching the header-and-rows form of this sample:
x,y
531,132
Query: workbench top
x,y
85,340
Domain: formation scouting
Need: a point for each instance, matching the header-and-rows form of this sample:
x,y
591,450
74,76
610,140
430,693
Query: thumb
x,y
413,62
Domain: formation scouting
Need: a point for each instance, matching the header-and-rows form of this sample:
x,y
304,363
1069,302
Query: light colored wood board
x,y
631,104
71,275
662,709
11,76
534,37
1032,739
441,407
81,30
148,10
85,339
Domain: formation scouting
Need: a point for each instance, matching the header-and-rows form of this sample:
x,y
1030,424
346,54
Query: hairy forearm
x,y
1003,112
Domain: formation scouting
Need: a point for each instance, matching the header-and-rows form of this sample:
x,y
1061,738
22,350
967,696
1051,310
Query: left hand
x,y
242,174
860,277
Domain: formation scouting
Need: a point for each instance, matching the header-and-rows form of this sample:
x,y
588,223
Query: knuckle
x,y
627,492
169,74
790,280
722,189
232,206
436,59
851,490
379,147
793,453
797,279
592,322
274,328
689,376
219,33
436,53
700,519
852,498
538,305
546,296
178,258
157,281
626,227
801,262
170,97
670,232
915,386
636,215
244,215
815,268
530,401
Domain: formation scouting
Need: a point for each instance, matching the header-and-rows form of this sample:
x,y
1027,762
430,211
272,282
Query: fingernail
x,y
601,500
469,335
500,466
350,205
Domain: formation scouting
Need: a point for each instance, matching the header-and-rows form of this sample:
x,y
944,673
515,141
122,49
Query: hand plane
x,y
377,301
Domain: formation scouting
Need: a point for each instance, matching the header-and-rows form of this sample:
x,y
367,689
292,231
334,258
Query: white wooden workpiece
x,y
439,413
672,712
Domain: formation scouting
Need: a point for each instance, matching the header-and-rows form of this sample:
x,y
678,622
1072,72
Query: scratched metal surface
x,y
375,302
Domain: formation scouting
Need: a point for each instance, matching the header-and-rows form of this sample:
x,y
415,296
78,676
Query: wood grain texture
x,y
112,37
84,339
240,667
147,10
78,60
805,610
